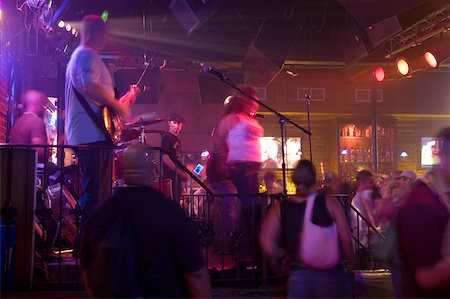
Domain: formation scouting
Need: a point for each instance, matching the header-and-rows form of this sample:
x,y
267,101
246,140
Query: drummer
x,y
171,143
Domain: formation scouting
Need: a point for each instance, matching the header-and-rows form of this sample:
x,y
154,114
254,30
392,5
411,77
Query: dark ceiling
x,y
291,30
320,33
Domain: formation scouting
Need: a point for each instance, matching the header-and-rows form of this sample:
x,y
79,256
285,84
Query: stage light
x,y
61,24
74,31
438,53
105,15
402,66
379,74
205,153
404,154
68,27
430,59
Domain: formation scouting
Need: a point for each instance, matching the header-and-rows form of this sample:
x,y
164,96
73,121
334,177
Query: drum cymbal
x,y
129,134
145,120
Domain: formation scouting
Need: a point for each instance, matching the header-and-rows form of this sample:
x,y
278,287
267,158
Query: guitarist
x,y
88,77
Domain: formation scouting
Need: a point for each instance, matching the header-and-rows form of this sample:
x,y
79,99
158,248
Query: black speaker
x,y
382,31
192,13
351,41
268,52
18,201
369,12
152,84
213,90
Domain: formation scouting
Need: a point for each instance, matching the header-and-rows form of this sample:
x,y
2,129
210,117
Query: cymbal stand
x,y
142,137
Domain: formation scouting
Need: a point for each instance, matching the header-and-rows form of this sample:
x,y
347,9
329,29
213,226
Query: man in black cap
x,y
171,143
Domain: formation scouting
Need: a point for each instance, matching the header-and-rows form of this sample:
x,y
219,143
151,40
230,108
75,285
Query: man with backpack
x,y
137,243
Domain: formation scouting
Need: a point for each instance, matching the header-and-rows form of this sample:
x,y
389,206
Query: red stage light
x,y
379,74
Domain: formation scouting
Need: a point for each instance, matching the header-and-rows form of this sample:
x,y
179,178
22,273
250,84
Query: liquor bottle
x,y
352,155
359,155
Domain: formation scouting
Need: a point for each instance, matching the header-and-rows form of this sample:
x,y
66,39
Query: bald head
x,y
93,32
136,166
34,101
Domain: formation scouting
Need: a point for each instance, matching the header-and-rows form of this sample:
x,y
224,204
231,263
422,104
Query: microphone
x,y
208,69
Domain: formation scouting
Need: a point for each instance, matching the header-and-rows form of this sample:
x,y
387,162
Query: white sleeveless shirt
x,y
243,140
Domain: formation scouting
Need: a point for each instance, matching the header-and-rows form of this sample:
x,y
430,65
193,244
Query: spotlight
x,y
402,66
379,74
403,154
68,27
61,24
74,31
430,59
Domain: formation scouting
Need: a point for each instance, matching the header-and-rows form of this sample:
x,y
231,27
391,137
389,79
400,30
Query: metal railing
x,y
230,241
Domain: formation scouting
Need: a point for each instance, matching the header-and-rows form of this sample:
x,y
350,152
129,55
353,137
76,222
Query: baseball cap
x,y
176,117
408,174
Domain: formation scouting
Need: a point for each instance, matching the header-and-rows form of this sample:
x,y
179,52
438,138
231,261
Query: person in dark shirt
x,y
169,258
171,143
424,230
30,127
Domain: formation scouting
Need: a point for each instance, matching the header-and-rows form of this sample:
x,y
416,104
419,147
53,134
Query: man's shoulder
x,y
83,54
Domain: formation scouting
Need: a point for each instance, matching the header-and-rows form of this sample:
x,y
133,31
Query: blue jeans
x,y
309,283
96,175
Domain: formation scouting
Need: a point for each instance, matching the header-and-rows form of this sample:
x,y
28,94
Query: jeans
x,y
226,216
244,176
96,176
328,283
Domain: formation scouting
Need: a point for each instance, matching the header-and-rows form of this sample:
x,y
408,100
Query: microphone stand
x,y
282,119
308,103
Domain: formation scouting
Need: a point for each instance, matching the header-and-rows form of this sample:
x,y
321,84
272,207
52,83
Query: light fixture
x,y
404,154
68,27
430,59
402,66
291,73
438,53
205,153
61,24
379,74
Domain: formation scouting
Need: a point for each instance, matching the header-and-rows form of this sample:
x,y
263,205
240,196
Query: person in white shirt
x,y
87,74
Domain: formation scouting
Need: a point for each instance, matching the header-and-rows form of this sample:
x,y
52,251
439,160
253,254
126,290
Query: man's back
x,y
27,127
84,66
167,243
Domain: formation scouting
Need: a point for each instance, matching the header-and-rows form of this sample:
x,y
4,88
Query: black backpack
x,y
113,270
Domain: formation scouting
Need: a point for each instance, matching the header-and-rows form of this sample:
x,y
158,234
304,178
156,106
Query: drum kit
x,y
135,132
136,129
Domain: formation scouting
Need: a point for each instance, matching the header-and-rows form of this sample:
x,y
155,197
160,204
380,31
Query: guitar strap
x,y
92,114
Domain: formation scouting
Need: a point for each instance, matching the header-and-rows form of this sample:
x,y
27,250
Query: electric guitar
x,y
113,123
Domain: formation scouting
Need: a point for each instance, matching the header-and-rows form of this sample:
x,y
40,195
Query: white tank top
x,y
243,140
